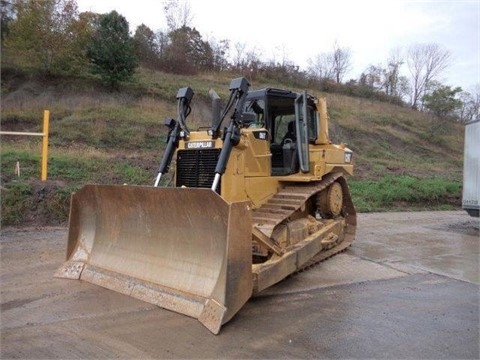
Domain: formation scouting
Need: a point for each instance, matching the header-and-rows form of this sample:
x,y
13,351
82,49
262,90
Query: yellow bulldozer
x,y
252,203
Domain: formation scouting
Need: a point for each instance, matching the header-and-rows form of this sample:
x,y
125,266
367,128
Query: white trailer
x,y
471,178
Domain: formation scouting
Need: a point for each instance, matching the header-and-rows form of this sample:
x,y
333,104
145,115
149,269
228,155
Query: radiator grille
x,y
196,168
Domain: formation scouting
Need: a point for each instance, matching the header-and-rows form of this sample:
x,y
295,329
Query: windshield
x,y
255,108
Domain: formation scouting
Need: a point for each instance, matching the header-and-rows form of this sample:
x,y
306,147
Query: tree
x,y
470,107
220,50
442,101
238,60
187,53
83,29
161,43
44,35
145,45
246,60
373,77
331,65
178,14
111,50
7,14
425,63
341,62
320,67
386,78
392,79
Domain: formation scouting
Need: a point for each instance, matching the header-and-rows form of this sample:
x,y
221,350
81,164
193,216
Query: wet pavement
x,y
407,288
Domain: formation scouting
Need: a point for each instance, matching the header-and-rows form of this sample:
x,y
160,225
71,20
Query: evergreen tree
x,y
442,101
111,50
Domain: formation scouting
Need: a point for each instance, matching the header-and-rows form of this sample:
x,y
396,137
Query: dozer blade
x,y
183,249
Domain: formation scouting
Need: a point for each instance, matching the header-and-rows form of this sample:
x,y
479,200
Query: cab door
x,y
301,124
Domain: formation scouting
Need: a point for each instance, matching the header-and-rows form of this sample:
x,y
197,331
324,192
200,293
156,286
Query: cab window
x,y
255,108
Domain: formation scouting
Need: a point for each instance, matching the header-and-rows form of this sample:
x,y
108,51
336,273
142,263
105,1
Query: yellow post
x,y
46,119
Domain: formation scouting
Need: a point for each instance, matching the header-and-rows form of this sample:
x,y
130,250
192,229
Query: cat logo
x,y
199,145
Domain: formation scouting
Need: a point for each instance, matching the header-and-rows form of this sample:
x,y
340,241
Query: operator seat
x,y
291,133
289,149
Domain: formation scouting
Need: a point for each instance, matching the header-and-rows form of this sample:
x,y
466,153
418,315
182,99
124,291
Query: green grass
x,y
34,202
26,199
392,192
17,199
66,165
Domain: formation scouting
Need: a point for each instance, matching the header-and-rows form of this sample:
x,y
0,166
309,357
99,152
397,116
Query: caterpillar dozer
x,y
252,203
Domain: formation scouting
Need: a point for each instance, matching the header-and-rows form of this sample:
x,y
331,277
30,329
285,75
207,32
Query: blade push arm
x,y
231,137
184,96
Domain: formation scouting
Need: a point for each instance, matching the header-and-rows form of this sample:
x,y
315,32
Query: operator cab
x,y
282,112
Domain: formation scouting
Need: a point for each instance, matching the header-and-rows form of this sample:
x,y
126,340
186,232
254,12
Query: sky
x,y
300,30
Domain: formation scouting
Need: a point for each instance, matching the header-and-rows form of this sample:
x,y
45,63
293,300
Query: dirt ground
x,y
408,287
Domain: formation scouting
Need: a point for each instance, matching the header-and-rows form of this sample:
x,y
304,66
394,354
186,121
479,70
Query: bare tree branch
x,y
425,63
178,14
331,65
341,61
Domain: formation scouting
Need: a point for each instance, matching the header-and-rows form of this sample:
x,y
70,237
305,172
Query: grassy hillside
x,y
404,159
